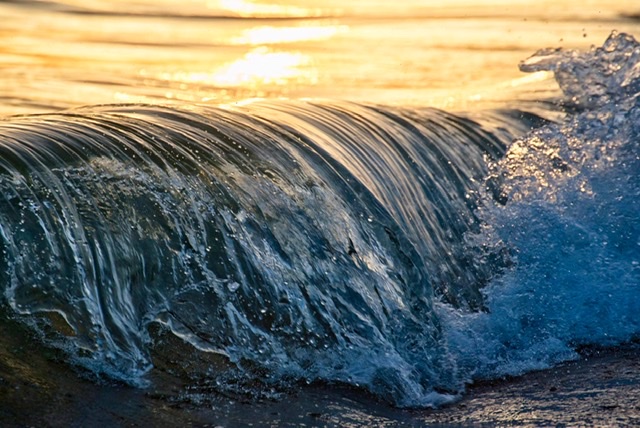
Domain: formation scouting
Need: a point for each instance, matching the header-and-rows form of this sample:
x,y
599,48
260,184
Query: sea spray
x,y
564,206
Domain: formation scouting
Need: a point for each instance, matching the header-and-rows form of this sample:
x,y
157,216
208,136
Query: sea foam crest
x,y
595,78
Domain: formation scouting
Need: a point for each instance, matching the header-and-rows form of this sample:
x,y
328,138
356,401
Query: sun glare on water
x,y
258,67
275,61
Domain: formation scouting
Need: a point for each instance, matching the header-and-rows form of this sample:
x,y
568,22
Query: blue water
x,y
405,251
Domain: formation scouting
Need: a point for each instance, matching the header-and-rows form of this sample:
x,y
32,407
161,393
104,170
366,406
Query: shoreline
x,y
600,388
37,388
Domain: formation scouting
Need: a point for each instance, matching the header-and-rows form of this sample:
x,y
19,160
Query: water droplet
x,y
233,286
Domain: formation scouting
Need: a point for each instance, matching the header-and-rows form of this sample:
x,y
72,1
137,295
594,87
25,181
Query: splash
x,y
562,205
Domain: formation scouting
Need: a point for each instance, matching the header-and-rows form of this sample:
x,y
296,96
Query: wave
x,y
406,251
294,236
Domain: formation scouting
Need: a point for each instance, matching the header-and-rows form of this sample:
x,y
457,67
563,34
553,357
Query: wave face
x,y
298,241
248,249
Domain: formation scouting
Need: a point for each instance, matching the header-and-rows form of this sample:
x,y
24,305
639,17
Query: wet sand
x,y
602,388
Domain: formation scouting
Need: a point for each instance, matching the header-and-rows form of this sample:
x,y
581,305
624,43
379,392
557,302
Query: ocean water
x,y
257,196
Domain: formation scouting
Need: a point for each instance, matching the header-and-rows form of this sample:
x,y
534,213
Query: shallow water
x,y
359,236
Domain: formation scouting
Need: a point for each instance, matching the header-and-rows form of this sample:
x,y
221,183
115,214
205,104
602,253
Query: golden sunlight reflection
x,y
253,9
258,67
272,35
